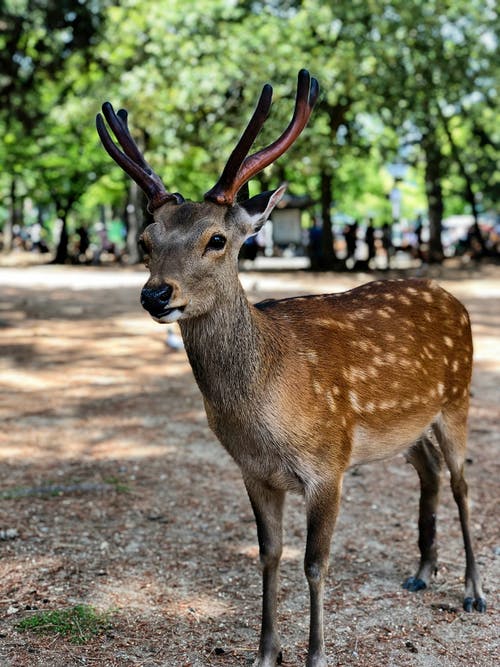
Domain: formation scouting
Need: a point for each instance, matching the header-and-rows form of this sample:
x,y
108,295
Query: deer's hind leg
x,y
425,459
451,434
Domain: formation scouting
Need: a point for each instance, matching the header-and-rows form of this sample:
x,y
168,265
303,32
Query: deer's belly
x,y
371,444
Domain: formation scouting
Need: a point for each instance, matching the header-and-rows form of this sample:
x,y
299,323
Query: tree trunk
x,y
470,195
336,116
137,218
328,259
62,245
8,235
434,192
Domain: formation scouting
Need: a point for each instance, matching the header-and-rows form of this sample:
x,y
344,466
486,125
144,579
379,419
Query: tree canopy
x,y
407,82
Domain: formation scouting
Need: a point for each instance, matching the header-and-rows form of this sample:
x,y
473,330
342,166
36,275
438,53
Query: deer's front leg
x,y
267,504
322,511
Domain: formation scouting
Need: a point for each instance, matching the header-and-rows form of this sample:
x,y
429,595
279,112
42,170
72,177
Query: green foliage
x,y
412,81
79,624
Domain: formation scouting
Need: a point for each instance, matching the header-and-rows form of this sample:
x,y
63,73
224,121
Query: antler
x,y
240,169
132,160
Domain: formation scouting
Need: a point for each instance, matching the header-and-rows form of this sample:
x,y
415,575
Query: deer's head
x,y
191,248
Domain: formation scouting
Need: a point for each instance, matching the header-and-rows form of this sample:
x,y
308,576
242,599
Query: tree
x,y
38,42
398,79
434,56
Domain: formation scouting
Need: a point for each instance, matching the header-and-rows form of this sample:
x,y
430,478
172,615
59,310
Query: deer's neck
x,y
227,350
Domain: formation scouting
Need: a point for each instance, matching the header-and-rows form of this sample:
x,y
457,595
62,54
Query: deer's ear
x,y
260,207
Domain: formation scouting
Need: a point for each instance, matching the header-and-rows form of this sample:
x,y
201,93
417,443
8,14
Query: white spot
x,y
440,389
312,356
448,341
388,405
331,401
454,366
405,300
317,388
428,297
355,374
350,326
353,397
361,314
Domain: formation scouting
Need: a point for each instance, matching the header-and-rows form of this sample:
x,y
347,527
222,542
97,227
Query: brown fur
x,y
299,389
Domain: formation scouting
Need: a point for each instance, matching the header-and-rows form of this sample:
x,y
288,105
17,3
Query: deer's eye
x,y
217,242
145,251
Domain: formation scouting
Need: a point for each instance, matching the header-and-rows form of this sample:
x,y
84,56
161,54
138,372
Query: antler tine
x,y
132,160
125,138
224,192
240,152
307,94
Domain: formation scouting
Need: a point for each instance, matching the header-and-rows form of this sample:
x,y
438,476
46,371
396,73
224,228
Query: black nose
x,y
155,300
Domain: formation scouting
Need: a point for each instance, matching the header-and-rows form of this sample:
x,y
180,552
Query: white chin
x,y
173,316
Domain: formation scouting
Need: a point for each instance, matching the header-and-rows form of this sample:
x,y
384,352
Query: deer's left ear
x,y
260,207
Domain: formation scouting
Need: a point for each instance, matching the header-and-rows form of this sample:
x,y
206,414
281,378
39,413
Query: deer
x,y
299,390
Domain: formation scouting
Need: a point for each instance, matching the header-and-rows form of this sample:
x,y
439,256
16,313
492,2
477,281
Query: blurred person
x,y
315,246
83,242
350,236
370,240
387,243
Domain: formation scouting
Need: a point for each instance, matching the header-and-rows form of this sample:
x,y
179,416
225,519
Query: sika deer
x,y
298,390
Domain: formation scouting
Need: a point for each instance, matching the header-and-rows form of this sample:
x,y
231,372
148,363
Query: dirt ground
x,y
114,493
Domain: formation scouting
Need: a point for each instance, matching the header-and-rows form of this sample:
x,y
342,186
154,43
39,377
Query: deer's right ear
x,y
260,207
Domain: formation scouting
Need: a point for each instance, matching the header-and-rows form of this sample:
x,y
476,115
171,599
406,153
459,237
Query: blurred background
x,y
399,163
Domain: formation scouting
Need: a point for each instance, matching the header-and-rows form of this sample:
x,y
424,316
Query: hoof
x,y
414,584
269,661
479,604
317,661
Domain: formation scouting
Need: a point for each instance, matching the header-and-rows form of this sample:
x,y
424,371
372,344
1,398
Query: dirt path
x,y
117,495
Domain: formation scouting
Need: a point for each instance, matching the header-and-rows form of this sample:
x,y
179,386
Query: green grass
x,y
79,624
120,487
